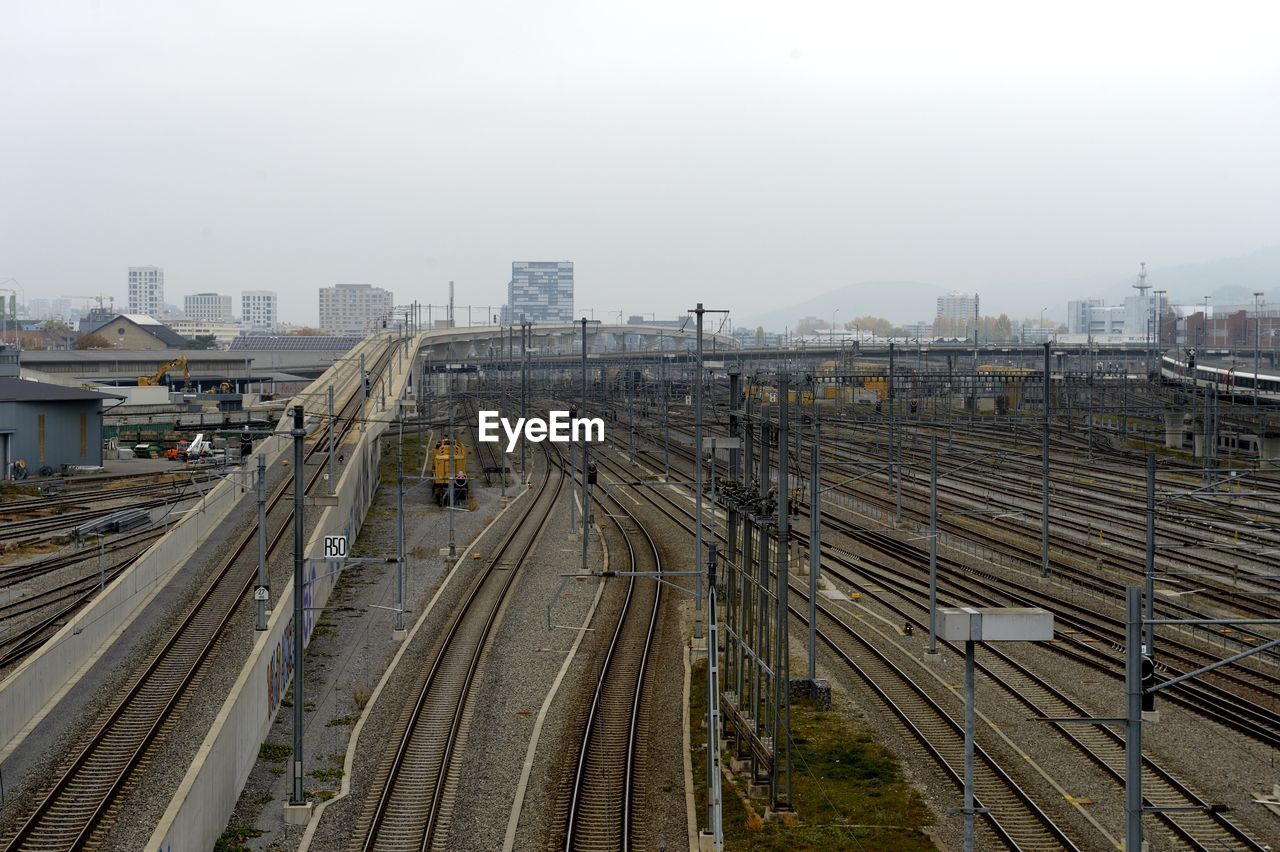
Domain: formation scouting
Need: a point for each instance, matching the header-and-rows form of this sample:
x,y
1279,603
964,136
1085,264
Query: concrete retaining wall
x,y
199,810
33,689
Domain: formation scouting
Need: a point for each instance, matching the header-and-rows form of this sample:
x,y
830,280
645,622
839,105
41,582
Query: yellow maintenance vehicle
x,y
158,378
441,470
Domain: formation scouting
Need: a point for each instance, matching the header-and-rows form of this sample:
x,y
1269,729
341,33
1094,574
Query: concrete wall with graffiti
x,y
203,803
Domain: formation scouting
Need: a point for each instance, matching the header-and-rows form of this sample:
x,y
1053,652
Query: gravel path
x,y
522,661
347,656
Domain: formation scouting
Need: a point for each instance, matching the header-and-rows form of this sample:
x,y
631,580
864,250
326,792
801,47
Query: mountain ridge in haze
x,y
1231,280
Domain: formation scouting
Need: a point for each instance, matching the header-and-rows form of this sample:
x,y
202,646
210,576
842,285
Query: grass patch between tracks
x,y
848,790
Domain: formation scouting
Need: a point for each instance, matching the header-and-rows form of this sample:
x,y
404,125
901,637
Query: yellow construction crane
x,y
158,378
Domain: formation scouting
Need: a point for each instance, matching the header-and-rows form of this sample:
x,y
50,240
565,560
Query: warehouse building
x,y
46,426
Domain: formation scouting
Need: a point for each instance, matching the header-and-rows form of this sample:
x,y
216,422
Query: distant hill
x,y
1231,280
899,301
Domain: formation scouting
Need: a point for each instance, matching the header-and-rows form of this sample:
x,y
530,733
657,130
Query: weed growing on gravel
x,y
327,774
360,695
840,775
233,839
274,752
349,719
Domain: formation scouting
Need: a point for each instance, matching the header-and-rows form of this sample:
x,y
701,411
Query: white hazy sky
x,y
743,154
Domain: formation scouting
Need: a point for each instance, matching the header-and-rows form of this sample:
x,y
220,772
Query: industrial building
x,y
46,426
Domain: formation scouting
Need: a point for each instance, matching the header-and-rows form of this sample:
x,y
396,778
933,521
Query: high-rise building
x,y
207,308
957,314
258,308
146,290
353,308
540,291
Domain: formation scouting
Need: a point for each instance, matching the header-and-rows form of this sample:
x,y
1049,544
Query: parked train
x,y
440,472
1236,381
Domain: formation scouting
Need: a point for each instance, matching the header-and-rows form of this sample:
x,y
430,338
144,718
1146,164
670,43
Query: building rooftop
x,y
20,390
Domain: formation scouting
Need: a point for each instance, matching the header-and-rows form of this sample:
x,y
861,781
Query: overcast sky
x,y
742,154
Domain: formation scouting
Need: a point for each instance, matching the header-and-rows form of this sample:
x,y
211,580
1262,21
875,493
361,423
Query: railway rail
x,y
412,789
603,799
77,810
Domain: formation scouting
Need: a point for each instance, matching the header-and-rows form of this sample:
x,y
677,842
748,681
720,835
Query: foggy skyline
x,y
742,155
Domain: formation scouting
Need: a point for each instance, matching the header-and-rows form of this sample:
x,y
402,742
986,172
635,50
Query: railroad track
x,y
1199,830
604,796
77,811
415,785
1239,696
1015,821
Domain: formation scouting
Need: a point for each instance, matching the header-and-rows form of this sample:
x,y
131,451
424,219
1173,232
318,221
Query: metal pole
x,y
261,623
399,625
333,481
586,504
297,796
1133,719
1257,344
1150,632
968,744
1044,470
582,412
714,823
933,545
782,680
697,464
524,385
895,475
815,554
364,392
453,455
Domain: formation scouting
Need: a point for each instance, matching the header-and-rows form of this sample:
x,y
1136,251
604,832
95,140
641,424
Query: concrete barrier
x,y
40,682
199,810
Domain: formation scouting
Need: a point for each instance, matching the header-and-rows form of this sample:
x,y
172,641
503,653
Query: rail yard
x,y
512,648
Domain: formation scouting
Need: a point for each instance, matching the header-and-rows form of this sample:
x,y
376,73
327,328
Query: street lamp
x,y
833,326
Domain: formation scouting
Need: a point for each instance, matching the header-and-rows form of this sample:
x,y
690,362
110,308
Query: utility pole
x,y
1150,637
263,592
815,552
933,547
1133,719
333,480
895,475
1257,343
453,455
524,383
1044,470
582,412
364,392
399,624
699,311
782,681
299,432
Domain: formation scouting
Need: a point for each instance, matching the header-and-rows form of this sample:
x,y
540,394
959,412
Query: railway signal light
x,y
591,473
1148,672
